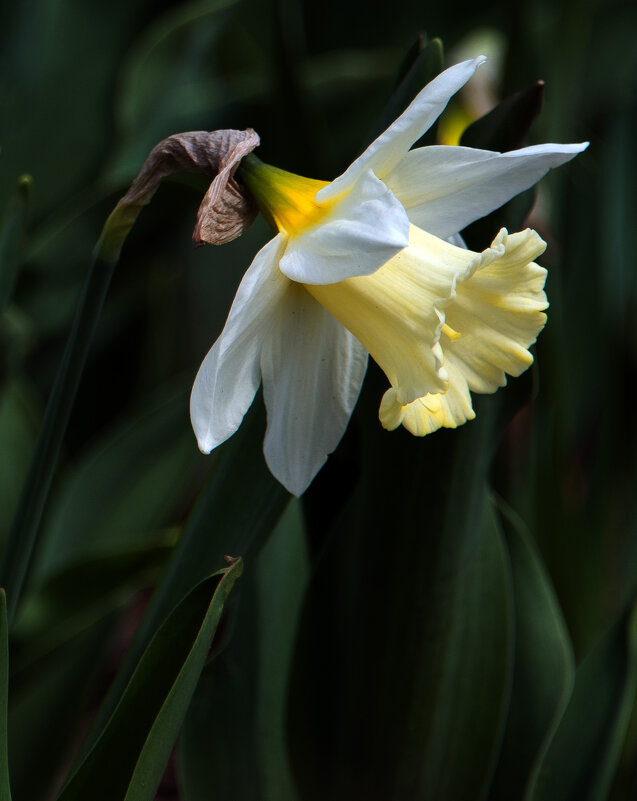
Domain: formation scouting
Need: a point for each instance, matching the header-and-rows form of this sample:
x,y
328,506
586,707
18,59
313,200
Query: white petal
x,y
446,188
312,373
229,375
386,151
359,234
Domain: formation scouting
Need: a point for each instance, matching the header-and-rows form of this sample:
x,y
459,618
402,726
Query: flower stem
x,y
23,535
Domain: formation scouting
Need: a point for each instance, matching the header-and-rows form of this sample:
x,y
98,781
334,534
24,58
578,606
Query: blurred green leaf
x,y
125,488
618,284
83,593
543,665
128,759
42,45
246,684
51,695
582,758
330,80
282,575
470,702
407,629
235,513
5,787
169,82
25,531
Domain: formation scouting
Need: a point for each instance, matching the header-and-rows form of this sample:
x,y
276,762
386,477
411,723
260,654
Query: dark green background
x,y
415,626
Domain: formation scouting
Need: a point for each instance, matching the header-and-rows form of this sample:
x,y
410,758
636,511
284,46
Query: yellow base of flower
x,y
285,199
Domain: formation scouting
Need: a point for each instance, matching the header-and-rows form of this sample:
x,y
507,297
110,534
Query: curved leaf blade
x,y
235,512
404,657
127,761
583,756
246,684
543,664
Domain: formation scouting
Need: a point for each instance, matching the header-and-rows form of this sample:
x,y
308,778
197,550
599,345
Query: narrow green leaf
x,y
5,788
127,761
235,513
582,758
544,669
24,533
218,745
246,684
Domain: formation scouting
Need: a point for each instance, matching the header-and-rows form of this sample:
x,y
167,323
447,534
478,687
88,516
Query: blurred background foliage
x,y
437,619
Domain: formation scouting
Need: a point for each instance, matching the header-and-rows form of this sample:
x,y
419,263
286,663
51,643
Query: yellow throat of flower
x,y
286,200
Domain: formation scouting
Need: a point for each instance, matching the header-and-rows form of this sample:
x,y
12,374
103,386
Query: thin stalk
x,y
23,535
215,153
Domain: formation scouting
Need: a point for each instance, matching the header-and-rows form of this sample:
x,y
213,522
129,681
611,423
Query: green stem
x,y
23,535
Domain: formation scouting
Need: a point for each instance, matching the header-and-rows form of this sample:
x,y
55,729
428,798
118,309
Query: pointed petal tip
x,y
295,488
205,447
205,443
294,483
571,149
473,63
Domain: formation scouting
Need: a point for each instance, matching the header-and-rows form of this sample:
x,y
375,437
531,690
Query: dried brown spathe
x,y
227,209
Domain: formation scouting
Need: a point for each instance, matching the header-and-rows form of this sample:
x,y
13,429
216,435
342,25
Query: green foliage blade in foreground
x,y
127,761
235,513
24,533
583,756
474,664
5,787
543,665
246,684
407,627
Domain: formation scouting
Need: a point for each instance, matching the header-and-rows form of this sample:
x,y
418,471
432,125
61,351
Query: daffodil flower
x,y
363,265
